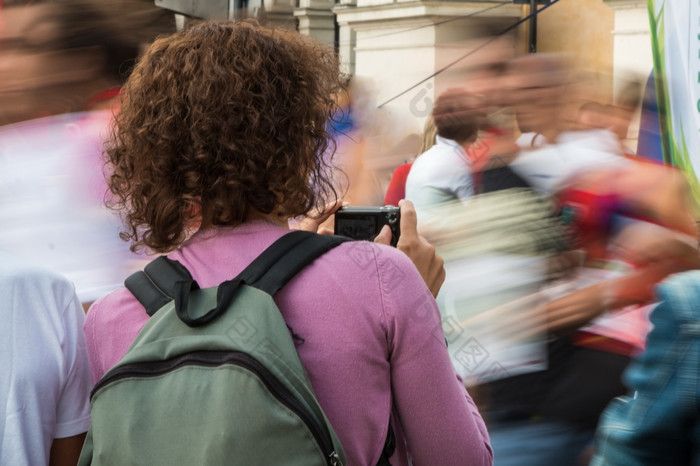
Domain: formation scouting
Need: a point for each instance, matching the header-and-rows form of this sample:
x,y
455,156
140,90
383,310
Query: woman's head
x,y
218,122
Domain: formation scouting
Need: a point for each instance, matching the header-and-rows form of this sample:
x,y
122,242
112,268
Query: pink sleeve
x,y
111,325
96,370
438,417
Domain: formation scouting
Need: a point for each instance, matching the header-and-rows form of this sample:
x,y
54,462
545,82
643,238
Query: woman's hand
x,y
422,254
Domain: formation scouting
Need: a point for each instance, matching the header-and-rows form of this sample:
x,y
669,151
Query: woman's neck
x,y
273,217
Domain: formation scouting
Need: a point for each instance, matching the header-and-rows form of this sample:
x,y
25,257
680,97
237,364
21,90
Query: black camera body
x,y
364,223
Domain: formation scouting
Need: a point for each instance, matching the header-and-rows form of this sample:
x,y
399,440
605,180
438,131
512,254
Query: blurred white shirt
x,y
441,174
549,166
52,192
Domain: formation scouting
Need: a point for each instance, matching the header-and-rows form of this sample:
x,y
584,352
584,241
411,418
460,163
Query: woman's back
x,y
369,336
221,130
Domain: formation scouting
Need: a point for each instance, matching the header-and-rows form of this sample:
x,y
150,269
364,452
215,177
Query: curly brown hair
x,y
224,119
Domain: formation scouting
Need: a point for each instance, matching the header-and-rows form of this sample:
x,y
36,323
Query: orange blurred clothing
x,y
495,147
642,190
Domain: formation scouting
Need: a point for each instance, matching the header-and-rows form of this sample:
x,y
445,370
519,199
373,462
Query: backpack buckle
x,y
334,459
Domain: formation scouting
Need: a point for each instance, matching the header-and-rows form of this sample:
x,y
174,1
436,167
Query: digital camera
x,y
365,223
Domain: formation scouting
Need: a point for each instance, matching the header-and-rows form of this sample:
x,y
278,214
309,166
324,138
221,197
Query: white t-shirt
x,y
441,174
44,375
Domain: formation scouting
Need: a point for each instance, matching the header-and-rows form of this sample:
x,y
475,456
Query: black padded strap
x,y
164,280
272,269
273,254
288,256
156,285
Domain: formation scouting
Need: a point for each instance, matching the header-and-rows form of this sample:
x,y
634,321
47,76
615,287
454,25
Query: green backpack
x,y
214,377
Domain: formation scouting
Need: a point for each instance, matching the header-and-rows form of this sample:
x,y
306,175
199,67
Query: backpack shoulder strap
x,y
285,258
155,286
272,269
164,279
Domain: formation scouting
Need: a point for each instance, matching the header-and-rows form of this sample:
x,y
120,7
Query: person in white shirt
x,y
44,374
443,172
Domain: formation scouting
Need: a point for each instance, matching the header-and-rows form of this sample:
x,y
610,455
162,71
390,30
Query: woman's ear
x,y
194,215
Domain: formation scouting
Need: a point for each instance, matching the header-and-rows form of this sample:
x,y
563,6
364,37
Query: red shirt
x,y
397,186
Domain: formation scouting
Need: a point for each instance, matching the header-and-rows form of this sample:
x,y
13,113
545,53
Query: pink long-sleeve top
x,y
373,344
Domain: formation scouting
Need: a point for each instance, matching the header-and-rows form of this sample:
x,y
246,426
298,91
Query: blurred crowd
x,y
563,246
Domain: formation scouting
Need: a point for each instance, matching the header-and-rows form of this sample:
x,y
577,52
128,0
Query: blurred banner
x,y
675,34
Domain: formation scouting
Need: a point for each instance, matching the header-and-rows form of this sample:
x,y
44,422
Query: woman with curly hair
x,y
217,145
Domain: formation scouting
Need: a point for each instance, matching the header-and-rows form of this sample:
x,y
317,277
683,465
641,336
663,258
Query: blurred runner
x,y
64,62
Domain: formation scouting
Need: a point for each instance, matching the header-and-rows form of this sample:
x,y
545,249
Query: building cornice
x,y
347,13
